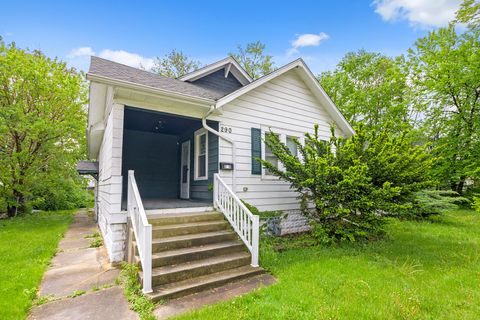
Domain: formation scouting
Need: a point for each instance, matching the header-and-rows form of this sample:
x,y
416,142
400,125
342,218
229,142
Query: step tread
x,y
158,271
160,216
189,224
171,288
192,236
206,247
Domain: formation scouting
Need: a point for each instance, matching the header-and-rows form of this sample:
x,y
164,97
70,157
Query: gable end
x,y
217,82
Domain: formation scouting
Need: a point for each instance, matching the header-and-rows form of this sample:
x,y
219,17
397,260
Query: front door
x,y
185,171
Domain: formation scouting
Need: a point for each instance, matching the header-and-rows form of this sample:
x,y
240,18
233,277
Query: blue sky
x,y
137,31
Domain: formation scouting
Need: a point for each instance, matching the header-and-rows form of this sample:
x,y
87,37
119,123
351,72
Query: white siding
x,y
286,105
110,218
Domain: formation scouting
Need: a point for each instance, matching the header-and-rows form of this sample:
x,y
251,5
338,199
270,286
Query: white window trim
x,y
283,138
196,143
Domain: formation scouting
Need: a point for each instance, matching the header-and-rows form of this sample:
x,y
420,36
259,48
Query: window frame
x,y
264,156
296,147
283,138
196,153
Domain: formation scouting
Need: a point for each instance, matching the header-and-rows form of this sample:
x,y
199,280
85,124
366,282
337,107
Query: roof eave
x,y
132,85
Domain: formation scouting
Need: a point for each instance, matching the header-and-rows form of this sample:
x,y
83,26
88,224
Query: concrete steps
x,y
176,218
177,256
196,268
189,286
195,251
171,230
190,240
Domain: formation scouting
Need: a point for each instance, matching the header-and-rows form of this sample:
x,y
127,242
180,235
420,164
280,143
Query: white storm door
x,y
185,171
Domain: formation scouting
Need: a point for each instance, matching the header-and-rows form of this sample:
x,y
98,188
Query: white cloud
x,y
419,13
79,57
80,52
307,40
128,58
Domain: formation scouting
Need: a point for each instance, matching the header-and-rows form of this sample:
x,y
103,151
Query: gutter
x,y
234,148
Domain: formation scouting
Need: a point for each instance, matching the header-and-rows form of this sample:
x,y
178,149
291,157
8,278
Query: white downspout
x,y
234,148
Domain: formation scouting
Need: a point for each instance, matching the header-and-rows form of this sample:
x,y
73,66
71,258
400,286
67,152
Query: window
x,y
271,158
256,139
287,138
292,146
201,155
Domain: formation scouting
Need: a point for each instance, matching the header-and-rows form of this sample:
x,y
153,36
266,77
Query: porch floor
x,y
150,204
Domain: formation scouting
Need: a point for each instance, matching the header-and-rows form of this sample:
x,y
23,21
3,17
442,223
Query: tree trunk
x,y
11,211
453,185
461,184
20,207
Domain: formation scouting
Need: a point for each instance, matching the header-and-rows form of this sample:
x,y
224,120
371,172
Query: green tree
x,y
42,123
175,64
372,89
469,13
253,59
445,73
352,183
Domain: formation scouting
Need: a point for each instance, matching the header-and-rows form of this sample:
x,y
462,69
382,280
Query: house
x,y
169,150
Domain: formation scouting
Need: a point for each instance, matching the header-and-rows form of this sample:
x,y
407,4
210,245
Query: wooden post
x,y
255,239
215,190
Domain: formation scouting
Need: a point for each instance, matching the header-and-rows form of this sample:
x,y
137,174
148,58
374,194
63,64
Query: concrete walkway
x,y
80,284
199,300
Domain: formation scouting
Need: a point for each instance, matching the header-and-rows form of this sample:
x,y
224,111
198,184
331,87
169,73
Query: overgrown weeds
x,y
96,241
133,292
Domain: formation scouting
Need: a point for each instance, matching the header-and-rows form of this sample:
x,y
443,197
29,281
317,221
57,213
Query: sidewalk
x,y
80,284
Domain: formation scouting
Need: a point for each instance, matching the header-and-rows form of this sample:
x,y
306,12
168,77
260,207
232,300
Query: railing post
x,y
129,191
147,268
255,239
142,230
215,190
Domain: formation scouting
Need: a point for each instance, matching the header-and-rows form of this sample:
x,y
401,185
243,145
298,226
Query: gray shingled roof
x,y
87,166
117,71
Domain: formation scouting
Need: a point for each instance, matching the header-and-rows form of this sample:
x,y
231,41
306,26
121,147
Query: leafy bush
x,y
62,194
346,184
476,203
263,214
431,202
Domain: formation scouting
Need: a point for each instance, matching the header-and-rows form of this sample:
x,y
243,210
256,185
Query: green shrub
x,y
476,203
433,202
346,186
62,194
263,214
3,205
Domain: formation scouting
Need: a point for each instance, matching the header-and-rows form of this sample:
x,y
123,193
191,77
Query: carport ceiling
x,y
151,121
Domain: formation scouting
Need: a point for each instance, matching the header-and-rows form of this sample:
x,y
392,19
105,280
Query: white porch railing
x,y
142,230
245,224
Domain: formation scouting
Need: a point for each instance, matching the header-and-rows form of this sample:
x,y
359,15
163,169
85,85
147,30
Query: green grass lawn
x,y
27,244
423,270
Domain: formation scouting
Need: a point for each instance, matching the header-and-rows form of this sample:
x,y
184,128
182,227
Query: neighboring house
x,y
177,133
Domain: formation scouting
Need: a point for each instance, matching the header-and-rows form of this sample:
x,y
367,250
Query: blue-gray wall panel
x,y
155,159
217,82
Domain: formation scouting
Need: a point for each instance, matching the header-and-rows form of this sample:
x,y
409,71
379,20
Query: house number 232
x,y
225,129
